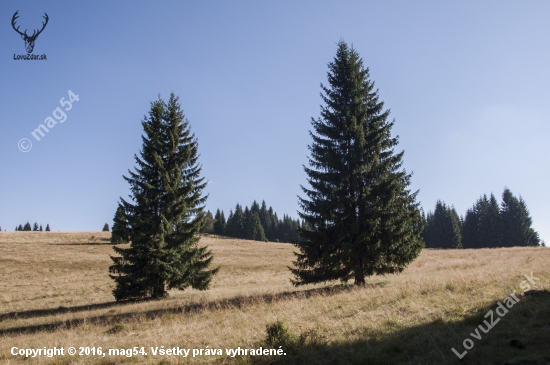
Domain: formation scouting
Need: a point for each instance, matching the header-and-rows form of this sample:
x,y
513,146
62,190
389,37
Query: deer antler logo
x,y
29,40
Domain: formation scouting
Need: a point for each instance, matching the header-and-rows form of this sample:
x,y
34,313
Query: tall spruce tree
x,y
490,229
247,224
166,212
219,222
363,219
47,228
274,225
265,220
442,228
235,223
254,229
516,222
470,229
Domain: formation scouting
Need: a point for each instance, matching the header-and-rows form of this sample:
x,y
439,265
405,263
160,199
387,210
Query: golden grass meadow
x,y
55,291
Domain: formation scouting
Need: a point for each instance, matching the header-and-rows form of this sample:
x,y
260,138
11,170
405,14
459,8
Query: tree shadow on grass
x,y
53,311
194,307
521,337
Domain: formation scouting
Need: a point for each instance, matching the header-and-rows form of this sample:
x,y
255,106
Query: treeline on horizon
x,y
27,227
257,223
485,224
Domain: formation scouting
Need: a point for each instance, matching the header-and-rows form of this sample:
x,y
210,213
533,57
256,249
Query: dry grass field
x,y
54,291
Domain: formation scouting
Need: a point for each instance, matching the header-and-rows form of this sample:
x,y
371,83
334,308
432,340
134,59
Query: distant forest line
x,y
485,224
257,223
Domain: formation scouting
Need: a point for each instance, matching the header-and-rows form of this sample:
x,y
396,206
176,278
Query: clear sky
x,y
466,81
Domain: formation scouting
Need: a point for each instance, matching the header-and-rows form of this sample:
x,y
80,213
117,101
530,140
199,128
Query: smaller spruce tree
x,y
208,226
47,227
106,227
120,232
219,222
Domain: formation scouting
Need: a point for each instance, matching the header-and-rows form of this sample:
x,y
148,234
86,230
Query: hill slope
x,y
55,292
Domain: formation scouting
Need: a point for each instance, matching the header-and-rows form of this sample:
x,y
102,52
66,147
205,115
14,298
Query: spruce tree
x,y
254,228
442,228
106,228
516,222
27,227
265,220
274,225
235,223
490,229
47,227
219,222
364,220
166,212
470,229
208,226
40,228
35,227
247,225
120,232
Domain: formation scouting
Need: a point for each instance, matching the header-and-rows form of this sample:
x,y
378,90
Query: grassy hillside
x,y
54,291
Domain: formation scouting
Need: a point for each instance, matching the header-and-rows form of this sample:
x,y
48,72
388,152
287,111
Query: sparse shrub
x,y
278,335
117,328
311,338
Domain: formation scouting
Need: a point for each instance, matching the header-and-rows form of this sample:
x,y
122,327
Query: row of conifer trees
x,y
35,227
257,223
486,224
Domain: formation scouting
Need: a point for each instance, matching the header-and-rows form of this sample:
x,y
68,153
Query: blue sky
x,y
466,81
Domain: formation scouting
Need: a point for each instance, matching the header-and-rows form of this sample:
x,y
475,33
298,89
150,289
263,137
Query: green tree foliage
x,y
259,223
47,227
166,212
442,227
235,223
253,228
265,220
208,226
363,219
470,228
35,227
27,227
106,227
487,224
219,223
40,228
274,228
516,222
120,232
